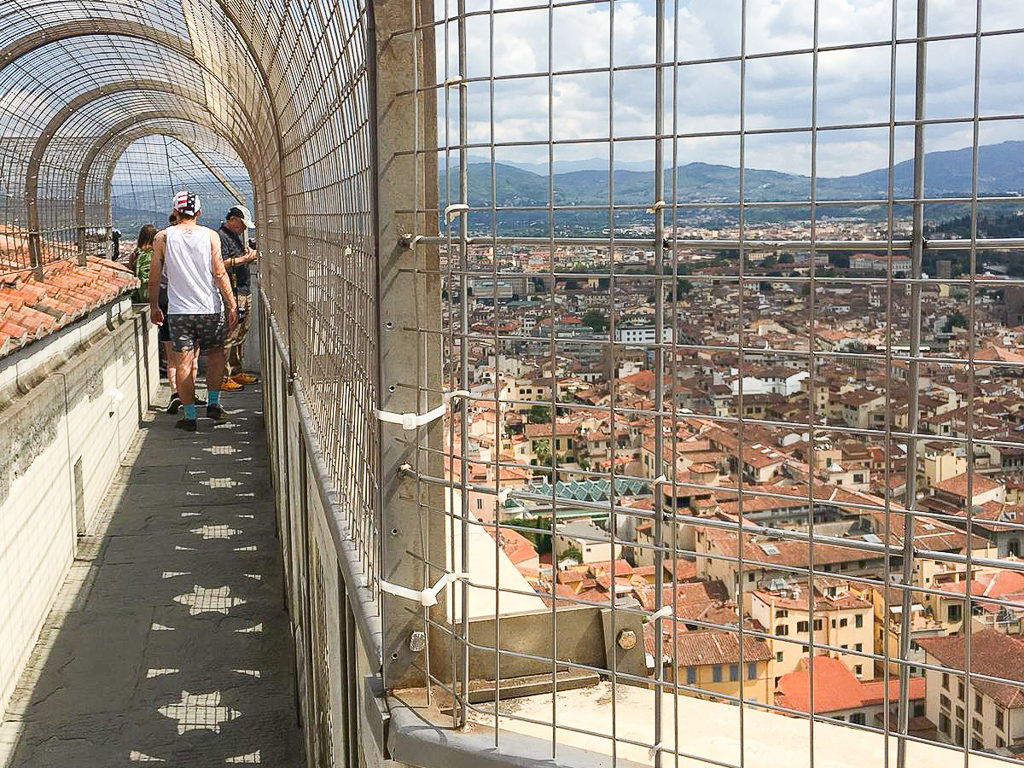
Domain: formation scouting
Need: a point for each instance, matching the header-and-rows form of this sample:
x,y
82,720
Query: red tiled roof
x,y
693,649
993,654
517,547
31,308
958,485
836,688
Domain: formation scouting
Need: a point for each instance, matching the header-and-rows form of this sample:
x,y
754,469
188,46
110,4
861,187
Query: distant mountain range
x,y
947,174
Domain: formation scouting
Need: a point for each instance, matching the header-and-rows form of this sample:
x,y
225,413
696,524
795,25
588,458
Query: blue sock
x,y
190,411
213,396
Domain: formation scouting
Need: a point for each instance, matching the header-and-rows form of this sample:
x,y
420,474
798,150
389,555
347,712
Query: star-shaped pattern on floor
x,y
199,712
219,482
203,600
215,532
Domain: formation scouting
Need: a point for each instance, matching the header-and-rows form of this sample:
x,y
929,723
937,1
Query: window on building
x,y
716,673
944,701
781,613
843,622
858,669
691,675
782,630
918,709
944,724
960,690
978,705
750,577
801,626
975,743
751,670
857,718
959,735
859,646
945,680
999,718
977,725
833,623
1000,742
960,713
778,657
817,625
954,612
859,619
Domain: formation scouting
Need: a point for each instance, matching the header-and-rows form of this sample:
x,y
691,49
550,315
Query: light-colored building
x,y
880,262
710,660
841,620
990,714
594,543
940,462
641,334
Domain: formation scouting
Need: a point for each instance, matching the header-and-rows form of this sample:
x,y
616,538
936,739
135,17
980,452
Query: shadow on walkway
x,y
169,643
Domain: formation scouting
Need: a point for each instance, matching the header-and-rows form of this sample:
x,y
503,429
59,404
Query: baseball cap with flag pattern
x,y
187,203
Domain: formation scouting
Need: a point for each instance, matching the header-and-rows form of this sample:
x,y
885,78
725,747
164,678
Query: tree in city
x,y
572,553
540,414
596,319
957,320
542,450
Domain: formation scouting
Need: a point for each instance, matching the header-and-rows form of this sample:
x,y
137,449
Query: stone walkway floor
x,y
169,643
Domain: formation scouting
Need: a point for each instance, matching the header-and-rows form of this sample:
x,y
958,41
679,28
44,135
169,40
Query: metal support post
x,y
917,254
409,300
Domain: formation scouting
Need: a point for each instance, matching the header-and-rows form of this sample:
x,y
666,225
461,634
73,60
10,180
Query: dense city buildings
x,y
570,387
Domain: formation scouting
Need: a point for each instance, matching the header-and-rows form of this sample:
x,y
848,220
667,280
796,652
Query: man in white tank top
x,y
200,303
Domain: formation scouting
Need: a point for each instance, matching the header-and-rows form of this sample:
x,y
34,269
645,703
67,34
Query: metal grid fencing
x,y
705,307
648,211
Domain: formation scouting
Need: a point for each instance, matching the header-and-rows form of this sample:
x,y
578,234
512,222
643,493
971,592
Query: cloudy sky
x,y
853,85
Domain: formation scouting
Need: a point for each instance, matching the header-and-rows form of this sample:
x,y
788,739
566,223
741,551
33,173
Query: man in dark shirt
x,y
237,256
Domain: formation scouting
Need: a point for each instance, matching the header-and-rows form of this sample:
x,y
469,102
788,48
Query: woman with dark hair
x,y
140,260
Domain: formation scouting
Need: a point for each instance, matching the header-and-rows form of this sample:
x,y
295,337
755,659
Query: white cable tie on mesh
x,y
454,208
457,80
425,597
655,749
662,613
411,241
412,420
659,480
656,207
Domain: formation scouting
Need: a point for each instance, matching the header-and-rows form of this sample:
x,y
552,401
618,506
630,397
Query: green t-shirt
x,y
142,262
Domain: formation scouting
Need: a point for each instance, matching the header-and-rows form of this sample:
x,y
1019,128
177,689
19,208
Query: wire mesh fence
x,y
721,301
687,253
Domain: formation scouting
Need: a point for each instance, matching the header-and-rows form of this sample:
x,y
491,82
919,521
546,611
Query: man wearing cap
x,y
237,256
201,306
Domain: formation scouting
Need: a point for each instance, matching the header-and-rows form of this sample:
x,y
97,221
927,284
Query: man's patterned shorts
x,y
202,331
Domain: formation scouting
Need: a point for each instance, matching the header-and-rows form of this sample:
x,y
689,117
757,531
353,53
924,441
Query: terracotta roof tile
x,y
836,688
31,308
993,654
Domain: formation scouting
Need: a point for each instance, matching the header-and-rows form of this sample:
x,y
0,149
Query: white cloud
x,y
853,84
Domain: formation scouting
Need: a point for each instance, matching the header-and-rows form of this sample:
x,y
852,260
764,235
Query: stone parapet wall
x,y
70,407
